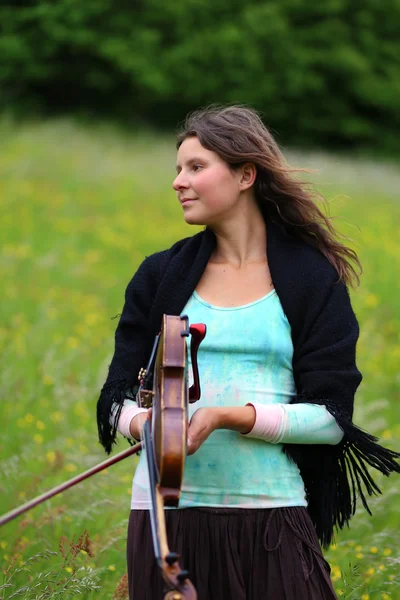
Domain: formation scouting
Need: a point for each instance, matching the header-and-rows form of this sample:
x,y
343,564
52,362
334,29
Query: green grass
x,y
80,208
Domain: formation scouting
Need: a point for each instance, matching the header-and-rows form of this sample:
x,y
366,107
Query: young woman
x,y
274,461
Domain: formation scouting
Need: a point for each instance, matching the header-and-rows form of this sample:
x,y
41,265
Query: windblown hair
x,y
238,135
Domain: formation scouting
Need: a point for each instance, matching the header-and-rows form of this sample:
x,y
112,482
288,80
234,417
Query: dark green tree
x,y
325,74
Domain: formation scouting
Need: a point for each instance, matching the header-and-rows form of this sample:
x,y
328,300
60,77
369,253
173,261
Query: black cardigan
x,y
324,331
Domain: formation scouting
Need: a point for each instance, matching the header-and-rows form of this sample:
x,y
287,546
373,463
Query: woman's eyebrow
x,y
191,161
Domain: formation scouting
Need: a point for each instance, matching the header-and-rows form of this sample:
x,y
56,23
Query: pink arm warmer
x,y
129,411
294,423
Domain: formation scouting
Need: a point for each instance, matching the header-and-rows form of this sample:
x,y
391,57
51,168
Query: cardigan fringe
x,y
112,392
334,485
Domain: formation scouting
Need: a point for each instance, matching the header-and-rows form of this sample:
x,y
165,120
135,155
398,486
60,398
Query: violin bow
x,y
16,512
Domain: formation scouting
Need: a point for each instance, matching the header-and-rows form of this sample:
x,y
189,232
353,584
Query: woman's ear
x,y
248,176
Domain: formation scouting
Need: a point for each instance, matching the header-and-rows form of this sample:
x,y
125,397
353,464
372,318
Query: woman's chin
x,y
193,220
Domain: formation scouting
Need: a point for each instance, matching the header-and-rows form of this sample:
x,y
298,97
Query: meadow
x,y
81,206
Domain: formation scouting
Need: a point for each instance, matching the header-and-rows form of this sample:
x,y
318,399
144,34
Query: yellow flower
x,y
68,569
111,568
360,555
72,342
385,596
381,567
80,410
387,434
365,597
92,257
335,571
387,552
48,380
29,418
333,547
91,319
3,544
56,417
40,425
51,456
370,571
38,438
373,549
371,301
358,548
22,251
70,467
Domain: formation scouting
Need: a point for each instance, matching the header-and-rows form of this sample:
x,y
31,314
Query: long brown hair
x,y
238,135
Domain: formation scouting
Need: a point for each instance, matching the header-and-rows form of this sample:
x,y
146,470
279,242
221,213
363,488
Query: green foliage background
x,y
323,74
76,219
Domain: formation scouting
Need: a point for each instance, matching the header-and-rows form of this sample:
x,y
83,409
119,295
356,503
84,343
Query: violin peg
x,y
171,558
182,576
142,374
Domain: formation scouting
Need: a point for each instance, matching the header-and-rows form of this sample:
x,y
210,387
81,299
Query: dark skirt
x,y
233,554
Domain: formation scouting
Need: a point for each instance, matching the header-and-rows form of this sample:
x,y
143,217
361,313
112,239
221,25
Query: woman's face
x,y
205,185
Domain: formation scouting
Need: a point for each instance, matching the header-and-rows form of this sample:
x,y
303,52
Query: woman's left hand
x,y
203,422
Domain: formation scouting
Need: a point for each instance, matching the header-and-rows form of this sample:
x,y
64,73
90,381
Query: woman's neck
x,y
241,240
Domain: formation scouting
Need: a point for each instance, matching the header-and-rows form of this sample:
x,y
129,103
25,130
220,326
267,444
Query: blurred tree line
x,y
322,73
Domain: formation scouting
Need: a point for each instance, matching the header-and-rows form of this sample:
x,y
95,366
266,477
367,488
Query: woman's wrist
x,y
136,423
236,418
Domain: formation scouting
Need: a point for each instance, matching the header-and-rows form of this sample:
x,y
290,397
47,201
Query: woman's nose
x,y
179,183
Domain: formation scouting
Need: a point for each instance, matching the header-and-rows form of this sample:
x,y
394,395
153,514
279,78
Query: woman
x,y
274,460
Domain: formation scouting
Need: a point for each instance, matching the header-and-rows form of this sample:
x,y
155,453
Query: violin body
x,y
170,410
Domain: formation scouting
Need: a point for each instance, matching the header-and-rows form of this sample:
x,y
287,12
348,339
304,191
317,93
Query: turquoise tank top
x,y
245,356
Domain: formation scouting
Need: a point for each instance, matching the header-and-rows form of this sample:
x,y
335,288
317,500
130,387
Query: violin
x,y
165,438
